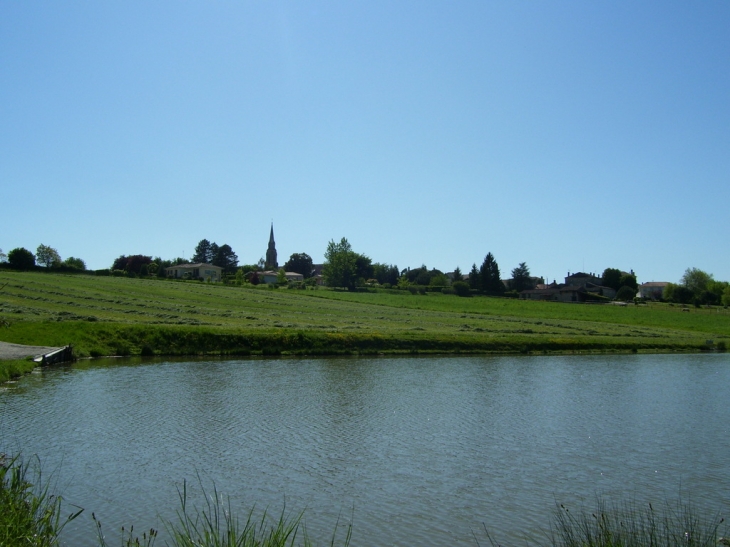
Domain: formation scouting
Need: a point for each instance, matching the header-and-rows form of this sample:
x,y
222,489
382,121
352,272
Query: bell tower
x,y
271,263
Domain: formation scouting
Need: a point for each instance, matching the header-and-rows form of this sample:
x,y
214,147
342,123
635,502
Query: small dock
x,y
60,355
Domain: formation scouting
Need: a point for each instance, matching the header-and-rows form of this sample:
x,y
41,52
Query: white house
x,y
270,276
208,272
654,290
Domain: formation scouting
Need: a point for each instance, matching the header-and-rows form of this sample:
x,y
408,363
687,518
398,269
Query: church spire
x,y
271,263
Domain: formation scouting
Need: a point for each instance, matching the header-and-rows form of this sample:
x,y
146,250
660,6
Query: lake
x,y
415,450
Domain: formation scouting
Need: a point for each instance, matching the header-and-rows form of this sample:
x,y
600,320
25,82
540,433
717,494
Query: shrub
x,y
625,293
461,288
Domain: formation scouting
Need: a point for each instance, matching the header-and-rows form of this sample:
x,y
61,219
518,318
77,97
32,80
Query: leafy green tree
x,y
726,296
131,264
611,278
363,268
422,275
696,280
75,263
300,263
626,293
281,277
47,256
489,277
440,280
203,252
248,268
629,280
715,290
458,276
225,258
386,273
239,277
521,279
678,293
3,257
340,266
21,258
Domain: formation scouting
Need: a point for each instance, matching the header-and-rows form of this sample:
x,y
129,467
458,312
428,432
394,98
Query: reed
x,y
30,514
215,524
625,524
628,524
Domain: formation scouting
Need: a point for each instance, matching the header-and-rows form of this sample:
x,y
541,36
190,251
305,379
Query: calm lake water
x,y
417,451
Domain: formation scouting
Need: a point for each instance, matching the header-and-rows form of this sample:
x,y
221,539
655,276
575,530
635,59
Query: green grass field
x,y
123,316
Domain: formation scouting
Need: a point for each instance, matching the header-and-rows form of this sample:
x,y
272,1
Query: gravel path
x,y
17,351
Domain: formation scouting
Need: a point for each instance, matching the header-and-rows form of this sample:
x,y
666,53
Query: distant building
x,y
568,293
271,262
654,290
580,279
195,271
556,293
270,277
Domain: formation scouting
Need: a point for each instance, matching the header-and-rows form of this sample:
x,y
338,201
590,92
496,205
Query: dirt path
x,y
17,351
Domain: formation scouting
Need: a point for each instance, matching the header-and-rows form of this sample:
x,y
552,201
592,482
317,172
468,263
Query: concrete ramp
x,y
19,351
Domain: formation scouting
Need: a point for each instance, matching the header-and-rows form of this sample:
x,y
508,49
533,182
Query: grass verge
x,y
14,368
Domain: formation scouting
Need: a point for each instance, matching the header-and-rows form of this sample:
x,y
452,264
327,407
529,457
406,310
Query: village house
x,y
208,272
270,277
578,287
653,290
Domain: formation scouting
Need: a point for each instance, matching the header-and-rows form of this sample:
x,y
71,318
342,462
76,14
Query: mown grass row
x,y
122,316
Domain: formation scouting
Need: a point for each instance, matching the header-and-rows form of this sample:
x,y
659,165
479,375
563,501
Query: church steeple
x,y
271,263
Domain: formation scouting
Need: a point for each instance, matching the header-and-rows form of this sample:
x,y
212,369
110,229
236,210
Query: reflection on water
x,y
417,450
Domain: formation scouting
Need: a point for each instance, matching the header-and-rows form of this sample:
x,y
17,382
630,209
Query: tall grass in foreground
x,y
216,525
626,524
30,515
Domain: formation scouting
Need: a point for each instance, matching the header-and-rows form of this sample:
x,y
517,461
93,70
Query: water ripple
x,y
424,450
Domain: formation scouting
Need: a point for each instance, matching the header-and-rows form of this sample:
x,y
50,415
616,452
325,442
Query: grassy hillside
x,y
121,316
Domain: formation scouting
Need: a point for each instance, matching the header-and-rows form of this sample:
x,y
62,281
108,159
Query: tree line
x,y
699,288
345,268
21,258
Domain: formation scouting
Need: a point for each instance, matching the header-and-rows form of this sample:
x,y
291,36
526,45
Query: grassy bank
x,y
122,316
14,368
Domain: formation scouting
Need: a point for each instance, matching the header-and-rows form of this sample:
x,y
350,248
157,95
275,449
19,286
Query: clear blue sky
x,y
573,136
